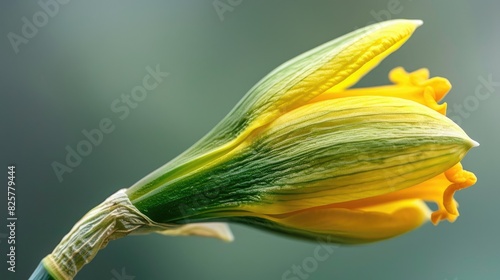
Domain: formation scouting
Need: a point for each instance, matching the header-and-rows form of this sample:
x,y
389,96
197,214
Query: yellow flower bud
x,y
303,155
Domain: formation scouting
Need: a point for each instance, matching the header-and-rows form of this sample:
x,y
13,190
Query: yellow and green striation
x,y
304,155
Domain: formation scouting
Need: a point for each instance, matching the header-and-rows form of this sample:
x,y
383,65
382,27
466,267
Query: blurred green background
x,y
88,53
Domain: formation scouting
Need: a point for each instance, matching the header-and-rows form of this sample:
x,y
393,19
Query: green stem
x,y
41,273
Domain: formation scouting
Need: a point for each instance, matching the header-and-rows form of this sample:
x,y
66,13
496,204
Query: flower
x,y
302,154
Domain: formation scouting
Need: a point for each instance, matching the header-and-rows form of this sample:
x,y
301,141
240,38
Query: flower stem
x,y
116,217
41,273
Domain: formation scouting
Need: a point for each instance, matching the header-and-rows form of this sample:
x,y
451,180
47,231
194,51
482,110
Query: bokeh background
x,y
65,78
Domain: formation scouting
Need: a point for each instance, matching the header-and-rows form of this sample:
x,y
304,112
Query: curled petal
x,y
415,86
420,78
439,189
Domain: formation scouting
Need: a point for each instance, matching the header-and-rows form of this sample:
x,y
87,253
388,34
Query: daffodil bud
x,y
303,155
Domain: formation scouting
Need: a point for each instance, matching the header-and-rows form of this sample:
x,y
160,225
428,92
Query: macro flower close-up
x,y
243,140
304,155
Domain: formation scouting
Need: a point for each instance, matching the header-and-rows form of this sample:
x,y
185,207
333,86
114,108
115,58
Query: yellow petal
x,y
354,226
415,86
439,189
